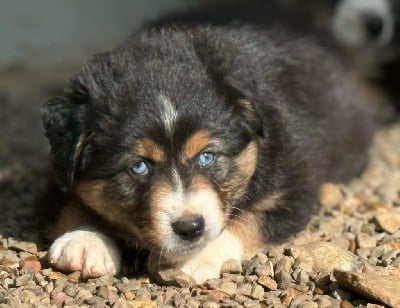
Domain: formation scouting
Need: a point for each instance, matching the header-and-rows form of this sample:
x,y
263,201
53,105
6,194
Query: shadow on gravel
x,y
23,146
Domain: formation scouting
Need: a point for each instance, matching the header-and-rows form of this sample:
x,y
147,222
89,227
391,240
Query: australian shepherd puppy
x,y
197,143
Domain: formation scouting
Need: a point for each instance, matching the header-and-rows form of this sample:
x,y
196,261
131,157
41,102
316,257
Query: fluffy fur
x,y
197,143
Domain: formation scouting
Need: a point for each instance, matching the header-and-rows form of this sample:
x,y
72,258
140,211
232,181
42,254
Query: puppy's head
x,y
157,142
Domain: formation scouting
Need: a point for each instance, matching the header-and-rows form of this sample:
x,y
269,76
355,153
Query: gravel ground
x,y
348,257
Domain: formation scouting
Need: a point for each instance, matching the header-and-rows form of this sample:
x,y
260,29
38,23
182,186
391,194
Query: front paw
x,y
92,253
208,262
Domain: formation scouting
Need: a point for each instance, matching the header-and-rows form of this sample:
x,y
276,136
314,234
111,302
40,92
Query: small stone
x,y
330,195
239,298
233,277
288,295
377,285
143,294
231,266
228,287
23,280
388,220
33,266
130,285
214,295
244,289
22,246
284,263
268,283
95,301
174,277
210,305
251,278
58,297
251,304
74,276
308,304
257,292
283,279
364,240
299,299
346,304
70,289
212,283
265,269
83,295
325,301
49,287
326,257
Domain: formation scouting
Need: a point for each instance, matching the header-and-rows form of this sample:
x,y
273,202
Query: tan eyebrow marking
x,y
150,150
195,143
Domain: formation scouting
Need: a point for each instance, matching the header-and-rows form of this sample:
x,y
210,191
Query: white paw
x,y
207,263
92,253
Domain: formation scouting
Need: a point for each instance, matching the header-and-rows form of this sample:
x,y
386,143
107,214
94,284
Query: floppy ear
x,y
64,123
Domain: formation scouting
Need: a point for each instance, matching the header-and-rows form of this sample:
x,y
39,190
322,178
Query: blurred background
x,y
42,43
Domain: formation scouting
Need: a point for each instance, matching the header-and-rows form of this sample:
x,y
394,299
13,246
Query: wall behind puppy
x,y
48,32
43,42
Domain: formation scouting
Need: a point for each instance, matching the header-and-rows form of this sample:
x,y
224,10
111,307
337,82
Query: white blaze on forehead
x,y
348,25
177,182
168,113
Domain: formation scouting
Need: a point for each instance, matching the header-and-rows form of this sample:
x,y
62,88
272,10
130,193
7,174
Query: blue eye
x,y
140,168
206,159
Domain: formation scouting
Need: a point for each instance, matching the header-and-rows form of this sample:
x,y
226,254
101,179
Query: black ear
x,y
64,123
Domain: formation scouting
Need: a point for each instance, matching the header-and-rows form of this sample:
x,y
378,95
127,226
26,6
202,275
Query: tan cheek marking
x,y
159,194
92,194
246,164
269,202
149,149
247,160
247,229
195,144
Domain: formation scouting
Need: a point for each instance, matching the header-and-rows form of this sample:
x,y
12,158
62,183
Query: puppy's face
x,y
174,196
164,157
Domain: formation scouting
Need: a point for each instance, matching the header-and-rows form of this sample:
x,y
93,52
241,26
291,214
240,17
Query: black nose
x,y
373,25
189,228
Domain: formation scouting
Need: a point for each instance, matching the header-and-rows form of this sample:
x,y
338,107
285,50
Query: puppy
x,y
197,143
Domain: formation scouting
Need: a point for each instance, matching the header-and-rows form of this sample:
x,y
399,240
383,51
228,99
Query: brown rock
x,y
267,282
388,220
346,304
174,277
374,285
257,292
325,257
364,240
141,304
288,296
22,246
228,287
231,266
214,295
30,265
330,195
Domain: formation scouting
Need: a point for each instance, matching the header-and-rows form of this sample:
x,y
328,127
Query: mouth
x,y
183,249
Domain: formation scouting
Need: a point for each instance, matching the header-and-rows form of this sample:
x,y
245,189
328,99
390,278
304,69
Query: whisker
x,y
240,217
